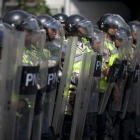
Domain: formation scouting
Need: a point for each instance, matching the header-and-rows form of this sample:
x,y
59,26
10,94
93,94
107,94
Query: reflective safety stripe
x,y
26,61
111,47
17,114
86,50
27,51
78,58
113,51
46,54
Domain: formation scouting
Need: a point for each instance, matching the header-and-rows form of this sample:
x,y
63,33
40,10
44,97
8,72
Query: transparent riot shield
x,y
131,68
18,43
41,93
82,95
98,42
61,99
134,88
120,81
113,72
28,85
137,97
9,64
137,88
55,49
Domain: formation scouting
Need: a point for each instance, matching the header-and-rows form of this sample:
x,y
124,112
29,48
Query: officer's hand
x,y
106,71
116,95
125,80
72,97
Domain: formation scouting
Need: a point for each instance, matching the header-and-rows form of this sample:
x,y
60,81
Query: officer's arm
x,y
115,92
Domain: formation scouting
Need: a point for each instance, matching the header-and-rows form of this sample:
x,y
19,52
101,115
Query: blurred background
x,y
91,9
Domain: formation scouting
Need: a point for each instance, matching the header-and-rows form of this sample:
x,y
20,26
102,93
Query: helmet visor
x,y
115,21
85,27
55,27
30,24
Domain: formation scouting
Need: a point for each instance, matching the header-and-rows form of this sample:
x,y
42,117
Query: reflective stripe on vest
x,y
78,58
114,53
111,47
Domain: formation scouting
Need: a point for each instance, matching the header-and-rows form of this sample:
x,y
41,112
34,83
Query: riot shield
x,y
18,43
134,93
137,88
94,96
113,72
131,68
120,81
28,85
61,99
41,93
82,95
137,97
10,61
54,47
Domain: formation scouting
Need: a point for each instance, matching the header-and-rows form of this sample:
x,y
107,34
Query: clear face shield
x,y
115,20
121,41
134,33
55,29
30,24
98,42
85,28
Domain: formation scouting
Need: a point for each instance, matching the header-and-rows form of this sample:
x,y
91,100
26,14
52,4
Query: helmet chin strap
x,y
81,34
47,37
112,36
134,42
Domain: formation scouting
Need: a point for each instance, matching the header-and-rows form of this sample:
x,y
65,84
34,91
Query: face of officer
x,y
96,45
112,31
52,32
31,36
81,32
63,24
134,35
118,43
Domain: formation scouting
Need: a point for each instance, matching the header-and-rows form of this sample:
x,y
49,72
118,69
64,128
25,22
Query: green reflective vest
x,y
114,54
78,58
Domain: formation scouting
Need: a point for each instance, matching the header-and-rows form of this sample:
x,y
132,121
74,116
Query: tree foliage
x,y
36,7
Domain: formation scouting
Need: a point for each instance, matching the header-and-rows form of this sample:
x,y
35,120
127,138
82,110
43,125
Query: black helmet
x,y
38,20
113,21
53,24
121,35
96,30
133,26
126,29
21,20
61,17
71,22
44,18
102,20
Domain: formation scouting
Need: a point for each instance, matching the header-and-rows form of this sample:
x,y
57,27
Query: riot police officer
x,y
109,26
90,130
131,117
62,18
54,40
22,21
76,25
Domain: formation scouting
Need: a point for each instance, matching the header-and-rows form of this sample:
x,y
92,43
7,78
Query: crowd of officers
x,y
63,78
